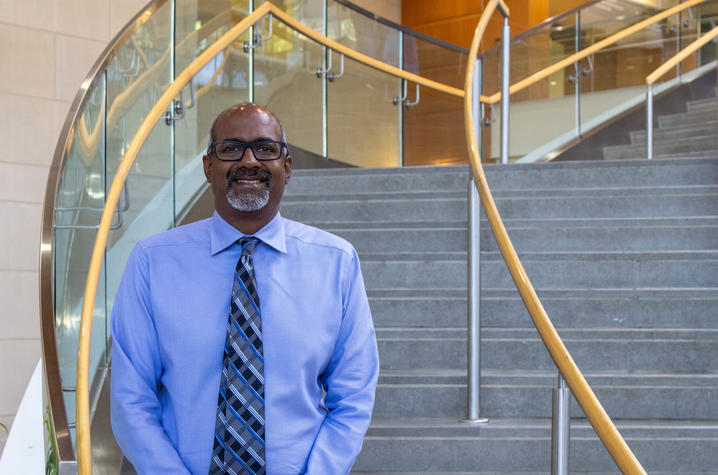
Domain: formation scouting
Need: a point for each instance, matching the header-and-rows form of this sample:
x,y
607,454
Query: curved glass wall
x,y
330,106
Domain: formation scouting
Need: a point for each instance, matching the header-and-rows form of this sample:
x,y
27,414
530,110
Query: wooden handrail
x,y
84,461
596,414
537,76
680,56
362,58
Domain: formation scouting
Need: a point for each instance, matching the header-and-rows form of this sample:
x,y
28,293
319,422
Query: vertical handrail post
x,y
173,76
579,74
560,427
473,233
400,111
649,121
250,64
505,73
325,85
477,106
473,337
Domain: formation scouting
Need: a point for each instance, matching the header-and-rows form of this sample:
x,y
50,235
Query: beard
x,y
249,200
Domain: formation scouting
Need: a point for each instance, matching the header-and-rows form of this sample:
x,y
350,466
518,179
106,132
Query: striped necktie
x,y
239,429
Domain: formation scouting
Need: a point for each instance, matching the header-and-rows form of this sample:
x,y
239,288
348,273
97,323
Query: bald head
x,y
243,108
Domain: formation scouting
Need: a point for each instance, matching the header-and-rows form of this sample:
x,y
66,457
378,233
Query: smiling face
x,y
247,193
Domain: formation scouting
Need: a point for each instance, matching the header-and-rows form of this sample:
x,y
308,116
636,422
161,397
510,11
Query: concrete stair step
x,y
349,180
628,173
706,144
606,269
518,176
569,308
446,445
546,270
600,235
528,394
702,104
610,349
602,308
694,117
661,136
683,201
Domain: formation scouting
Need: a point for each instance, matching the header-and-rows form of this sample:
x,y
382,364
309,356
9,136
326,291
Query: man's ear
x,y
287,168
207,164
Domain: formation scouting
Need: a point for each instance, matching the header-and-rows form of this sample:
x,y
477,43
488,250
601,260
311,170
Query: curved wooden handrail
x,y
680,56
544,73
600,421
155,114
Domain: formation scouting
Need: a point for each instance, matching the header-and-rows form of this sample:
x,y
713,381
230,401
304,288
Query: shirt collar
x,y
222,234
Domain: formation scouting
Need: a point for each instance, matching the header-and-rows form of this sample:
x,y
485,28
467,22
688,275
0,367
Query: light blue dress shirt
x,y
169,324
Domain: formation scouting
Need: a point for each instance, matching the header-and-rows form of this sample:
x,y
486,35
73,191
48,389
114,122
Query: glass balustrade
x,y
79,201
330,106
557,110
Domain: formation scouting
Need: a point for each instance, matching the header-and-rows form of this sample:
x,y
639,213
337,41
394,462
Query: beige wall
x,y
47,48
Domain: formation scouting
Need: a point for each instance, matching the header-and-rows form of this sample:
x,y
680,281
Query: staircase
x,y
693,133
625,258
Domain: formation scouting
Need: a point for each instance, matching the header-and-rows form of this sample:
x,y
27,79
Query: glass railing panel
x,y
307,12
363,34
199,24
605,18
434,61
146,201
433,129
707,19
690,25
618,80
552,97
362,121
536,48
285,80
223,82
78,206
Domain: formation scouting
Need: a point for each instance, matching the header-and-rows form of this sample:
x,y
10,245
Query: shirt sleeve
x,y
135,376
350,382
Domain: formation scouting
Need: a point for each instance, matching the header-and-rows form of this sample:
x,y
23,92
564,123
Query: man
x,y
223,344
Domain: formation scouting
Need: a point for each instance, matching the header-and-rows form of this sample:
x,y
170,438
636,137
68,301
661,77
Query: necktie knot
x,y
248,244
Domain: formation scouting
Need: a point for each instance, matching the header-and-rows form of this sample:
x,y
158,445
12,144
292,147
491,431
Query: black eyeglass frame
x,y
247,145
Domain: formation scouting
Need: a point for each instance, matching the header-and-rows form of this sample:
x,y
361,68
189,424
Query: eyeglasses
x,y
233,150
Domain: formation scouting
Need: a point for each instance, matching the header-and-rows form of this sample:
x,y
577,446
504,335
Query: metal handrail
x,y
544,73
157,111
659,72
602,424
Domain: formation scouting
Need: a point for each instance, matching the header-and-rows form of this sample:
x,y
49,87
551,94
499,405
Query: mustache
x,y
244,173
